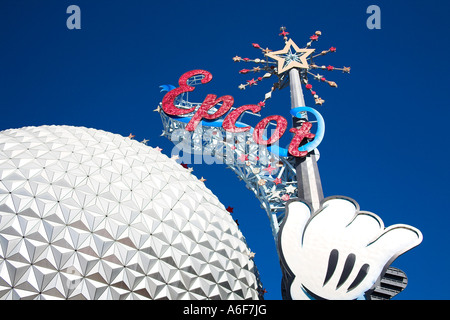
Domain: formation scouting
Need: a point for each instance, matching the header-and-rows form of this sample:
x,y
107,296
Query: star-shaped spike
x,y
319,101
284,33
280,62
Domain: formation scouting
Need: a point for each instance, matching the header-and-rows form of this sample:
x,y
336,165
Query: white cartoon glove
x,y
339,252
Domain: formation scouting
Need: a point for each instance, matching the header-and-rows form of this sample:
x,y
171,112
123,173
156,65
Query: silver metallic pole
x,y
308,178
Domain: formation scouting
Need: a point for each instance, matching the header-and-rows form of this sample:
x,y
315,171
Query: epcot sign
x,y
229,122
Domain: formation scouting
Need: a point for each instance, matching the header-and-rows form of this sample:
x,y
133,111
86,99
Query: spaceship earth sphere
x,y
88,214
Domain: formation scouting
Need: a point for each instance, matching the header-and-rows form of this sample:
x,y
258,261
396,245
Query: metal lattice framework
x,y
270,177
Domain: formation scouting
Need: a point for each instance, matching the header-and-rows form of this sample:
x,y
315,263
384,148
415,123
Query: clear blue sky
x,y
386,141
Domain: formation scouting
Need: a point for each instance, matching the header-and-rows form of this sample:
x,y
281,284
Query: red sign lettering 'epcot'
x,y
229,123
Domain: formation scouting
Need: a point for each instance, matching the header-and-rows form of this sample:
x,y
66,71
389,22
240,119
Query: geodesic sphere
x,y
87,214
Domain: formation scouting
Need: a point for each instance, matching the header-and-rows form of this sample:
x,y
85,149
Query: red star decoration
x,y
230,209
184,165
284,33
262,291
333,49
251,82
329,68
270,169
243,157
277,181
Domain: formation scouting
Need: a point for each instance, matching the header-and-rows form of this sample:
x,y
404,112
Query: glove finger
x,y
365,227
291,232
395,240
335,214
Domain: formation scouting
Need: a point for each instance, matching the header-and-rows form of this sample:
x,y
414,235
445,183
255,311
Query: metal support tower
x,y
307,171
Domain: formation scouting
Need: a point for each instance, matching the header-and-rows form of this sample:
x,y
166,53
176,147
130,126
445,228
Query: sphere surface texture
x,y
87,214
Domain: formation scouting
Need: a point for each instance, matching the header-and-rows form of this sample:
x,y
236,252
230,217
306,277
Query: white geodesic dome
x,y
87,214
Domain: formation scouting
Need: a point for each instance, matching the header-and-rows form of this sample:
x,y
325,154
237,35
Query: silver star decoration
x,y
275,195
290,189
292,57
